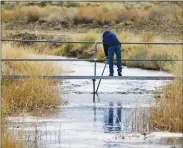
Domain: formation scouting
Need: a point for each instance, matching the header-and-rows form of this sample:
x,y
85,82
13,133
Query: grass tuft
x,y
27,95
167,115
78,50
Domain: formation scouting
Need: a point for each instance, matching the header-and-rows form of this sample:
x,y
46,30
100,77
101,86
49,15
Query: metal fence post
x,y
95,68
95,60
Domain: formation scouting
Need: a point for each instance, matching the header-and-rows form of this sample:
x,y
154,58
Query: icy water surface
x,y
118,118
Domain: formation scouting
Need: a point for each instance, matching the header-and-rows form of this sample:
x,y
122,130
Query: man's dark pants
x,y
117,51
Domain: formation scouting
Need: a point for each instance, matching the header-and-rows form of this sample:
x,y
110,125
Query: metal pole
x,y
93,86
95,61
93,90
101,79
89,60
85,42
95,67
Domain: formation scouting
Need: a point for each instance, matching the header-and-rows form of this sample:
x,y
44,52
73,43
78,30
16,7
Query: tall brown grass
x,y
162,13
167,114
78,50
143,52
27,95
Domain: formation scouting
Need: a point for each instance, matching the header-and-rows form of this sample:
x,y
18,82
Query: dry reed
x,y
27,95
102,15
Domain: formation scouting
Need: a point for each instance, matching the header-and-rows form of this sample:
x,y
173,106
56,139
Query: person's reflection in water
x,y
112,122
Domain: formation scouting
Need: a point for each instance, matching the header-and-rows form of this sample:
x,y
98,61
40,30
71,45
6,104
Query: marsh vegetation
x,y
138,22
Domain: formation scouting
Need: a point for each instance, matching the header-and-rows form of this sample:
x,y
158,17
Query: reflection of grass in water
x,y
31,135
8,141
135,120
139,119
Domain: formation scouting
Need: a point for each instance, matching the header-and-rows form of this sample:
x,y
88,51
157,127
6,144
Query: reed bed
x,y
143,52
167,113
27,95
104,14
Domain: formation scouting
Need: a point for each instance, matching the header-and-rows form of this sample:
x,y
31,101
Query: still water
x,y
118,118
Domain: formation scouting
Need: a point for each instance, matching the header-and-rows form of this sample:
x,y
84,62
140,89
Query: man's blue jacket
x,y
109,39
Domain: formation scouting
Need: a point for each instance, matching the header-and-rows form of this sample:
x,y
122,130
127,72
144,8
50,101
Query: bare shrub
x,y
32,16
161,15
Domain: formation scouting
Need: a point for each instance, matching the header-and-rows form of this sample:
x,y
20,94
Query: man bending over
x,y
112,45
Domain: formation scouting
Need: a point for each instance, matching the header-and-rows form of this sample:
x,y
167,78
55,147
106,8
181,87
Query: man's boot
x,y
119,74
111,74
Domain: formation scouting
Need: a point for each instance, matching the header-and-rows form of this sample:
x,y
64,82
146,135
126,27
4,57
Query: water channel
x,y
118,118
